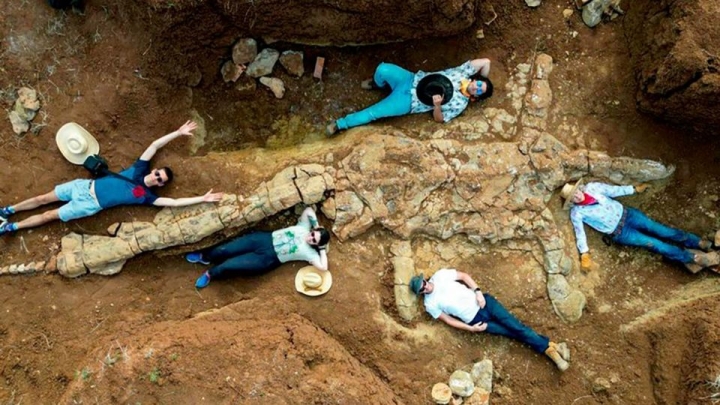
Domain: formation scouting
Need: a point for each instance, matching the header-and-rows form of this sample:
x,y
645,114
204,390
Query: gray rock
x,y
482,373
275,85
593,12
441,393
244,51
28,98
264,63
292,61
19,125
461,383
533,3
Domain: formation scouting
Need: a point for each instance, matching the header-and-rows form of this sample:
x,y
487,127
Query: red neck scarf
x,y
587,200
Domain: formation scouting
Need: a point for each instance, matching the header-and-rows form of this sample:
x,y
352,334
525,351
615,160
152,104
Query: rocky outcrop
x,y
675,47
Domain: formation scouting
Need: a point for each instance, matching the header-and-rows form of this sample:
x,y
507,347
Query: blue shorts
x,y
80,202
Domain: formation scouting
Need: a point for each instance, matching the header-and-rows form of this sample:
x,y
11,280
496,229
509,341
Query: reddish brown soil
x,y
108,72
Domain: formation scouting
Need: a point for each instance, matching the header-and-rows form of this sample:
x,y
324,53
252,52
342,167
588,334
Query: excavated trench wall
x,y
675,47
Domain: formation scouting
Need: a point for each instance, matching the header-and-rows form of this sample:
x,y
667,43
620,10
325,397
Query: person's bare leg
x,y
39,219
32,203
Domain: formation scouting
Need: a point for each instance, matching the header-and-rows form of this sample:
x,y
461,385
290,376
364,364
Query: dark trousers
x,y
247,255
641,231
501,322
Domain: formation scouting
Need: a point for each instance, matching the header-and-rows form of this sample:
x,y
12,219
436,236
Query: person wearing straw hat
x,y
455,298
446,93
86,197
260,252
594,204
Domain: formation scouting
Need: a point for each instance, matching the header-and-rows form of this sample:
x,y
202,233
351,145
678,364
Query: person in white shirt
x,y
454,298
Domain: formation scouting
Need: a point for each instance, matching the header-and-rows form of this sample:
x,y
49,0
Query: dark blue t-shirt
x,y
112,191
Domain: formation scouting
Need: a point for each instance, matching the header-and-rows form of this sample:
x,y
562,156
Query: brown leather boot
x,y
554,355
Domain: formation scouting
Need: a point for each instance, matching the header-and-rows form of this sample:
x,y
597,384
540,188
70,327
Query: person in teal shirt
x,y
262,251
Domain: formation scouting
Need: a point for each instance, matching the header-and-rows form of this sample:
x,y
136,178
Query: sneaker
x,y
331,129
704,244
196,257
554,355
203,280
707,259
7,227
6,212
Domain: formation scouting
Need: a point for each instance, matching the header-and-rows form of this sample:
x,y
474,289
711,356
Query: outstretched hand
x,y
478,327
437,100
641,187
187,128
212,197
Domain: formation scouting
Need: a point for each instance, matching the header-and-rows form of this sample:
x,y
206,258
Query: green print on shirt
x,y
288,246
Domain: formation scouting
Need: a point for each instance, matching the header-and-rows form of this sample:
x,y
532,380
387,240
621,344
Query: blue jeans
x,y
247,255
396,104
641,231
501,322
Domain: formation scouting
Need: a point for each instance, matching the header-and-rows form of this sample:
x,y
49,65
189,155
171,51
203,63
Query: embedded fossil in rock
x,y
489,192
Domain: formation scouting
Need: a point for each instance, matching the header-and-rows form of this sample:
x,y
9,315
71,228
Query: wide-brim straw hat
x,y
568,191
313,282
76,143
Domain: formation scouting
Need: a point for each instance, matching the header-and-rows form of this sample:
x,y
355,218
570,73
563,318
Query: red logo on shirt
x,y
138,192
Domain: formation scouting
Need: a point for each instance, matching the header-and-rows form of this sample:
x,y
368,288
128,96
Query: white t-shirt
x,y
451,297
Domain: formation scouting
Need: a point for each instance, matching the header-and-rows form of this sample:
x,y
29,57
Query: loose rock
x,y
244,51
441,393
246,86
461,383
230,71
264,63
276,85
593,12
292,61
533,3
19,125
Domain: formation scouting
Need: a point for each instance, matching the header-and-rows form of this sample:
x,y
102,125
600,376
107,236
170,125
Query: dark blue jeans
x,y
501,322
247,255
641,231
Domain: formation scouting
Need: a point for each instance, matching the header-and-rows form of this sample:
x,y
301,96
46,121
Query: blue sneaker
x,y
7,227
196,257
5,212
203,280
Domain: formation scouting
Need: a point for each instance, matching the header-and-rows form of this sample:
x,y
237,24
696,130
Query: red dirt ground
x,y
102,71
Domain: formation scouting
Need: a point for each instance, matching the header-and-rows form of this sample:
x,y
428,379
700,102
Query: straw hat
x,y
313,282
568,191
75,143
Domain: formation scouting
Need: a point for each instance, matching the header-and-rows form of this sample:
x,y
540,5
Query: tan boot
x,y
707,259
554,355
562,349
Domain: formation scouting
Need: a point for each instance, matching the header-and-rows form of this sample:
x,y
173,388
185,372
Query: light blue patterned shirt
x,y
603,216
457,104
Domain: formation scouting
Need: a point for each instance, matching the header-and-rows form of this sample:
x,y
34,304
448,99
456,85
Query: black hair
x,y
168,173
324,237
488,88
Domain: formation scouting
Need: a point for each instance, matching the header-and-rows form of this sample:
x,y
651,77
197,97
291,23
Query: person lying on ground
x,y
447,93
594,204
260,252
86,197
454,298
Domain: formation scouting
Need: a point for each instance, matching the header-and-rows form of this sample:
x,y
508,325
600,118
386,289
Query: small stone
x,y
244,51
19,125
456,401
441,393
601,385
533,3
264,63
13,269
567,13
230,71
593,12
461,383
292,61
276,85
4,270
246,86
482,374
717,238
479,397
479,34
28,98
23,112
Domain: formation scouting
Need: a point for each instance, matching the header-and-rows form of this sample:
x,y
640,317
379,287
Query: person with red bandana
x,y
86,197
594,204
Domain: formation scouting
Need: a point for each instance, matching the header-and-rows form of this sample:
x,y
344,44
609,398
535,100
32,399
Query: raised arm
x,y
482,66
308,217
321,263
182,202
185,129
